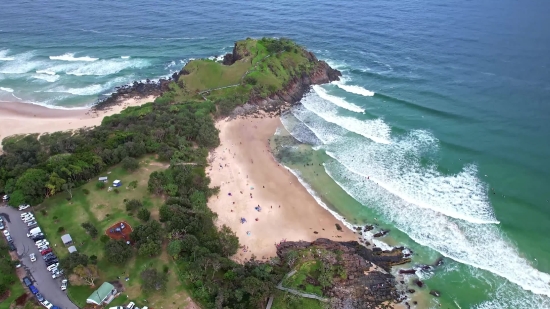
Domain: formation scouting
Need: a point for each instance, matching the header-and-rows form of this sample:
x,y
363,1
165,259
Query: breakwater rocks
x,y
365,281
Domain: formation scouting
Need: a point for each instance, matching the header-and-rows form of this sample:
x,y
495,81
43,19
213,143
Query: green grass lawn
x,y
298,280
16,290
207,74
103,208
284,300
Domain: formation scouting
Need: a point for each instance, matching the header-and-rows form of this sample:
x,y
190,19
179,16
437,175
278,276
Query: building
x,y
72,249
104,295
67,240
103,179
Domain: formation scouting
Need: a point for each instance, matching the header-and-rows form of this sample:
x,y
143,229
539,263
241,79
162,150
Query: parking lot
x,y
41,277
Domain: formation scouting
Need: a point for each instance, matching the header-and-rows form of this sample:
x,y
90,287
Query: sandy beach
x,y
249,177
24,118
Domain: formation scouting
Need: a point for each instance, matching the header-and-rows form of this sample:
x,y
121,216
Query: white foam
x,y
354,89
398,169
21,63
125,57
107,67
376,130
47,72
46,77
90,89
479,245
71,57
4,55
321,92
6,89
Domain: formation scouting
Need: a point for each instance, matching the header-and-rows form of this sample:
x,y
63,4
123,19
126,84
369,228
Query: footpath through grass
x,y
103,208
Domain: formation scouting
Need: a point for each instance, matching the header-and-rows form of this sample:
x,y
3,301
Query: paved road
x,y
42,278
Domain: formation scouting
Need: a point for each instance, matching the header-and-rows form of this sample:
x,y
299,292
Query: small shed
x,y
117,183
72,249
103,295
103,179
67,240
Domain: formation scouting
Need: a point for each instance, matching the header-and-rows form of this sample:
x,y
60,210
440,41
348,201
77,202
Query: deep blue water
x,y
455,94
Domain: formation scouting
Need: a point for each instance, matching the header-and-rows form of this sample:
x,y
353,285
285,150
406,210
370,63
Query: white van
x,y
34,231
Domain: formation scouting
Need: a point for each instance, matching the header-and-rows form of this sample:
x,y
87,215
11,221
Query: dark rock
x,y
415,302
368,228
411,291
407,271
338,227
382,233
362,288
315,232
435,293
419,283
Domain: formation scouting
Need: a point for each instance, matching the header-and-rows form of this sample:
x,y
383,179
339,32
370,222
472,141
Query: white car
x,y
23,207
6,233
33,257
26,214
64,284
42,248
57,274
47,304
53,266
131,305
32,223
27,219
42,242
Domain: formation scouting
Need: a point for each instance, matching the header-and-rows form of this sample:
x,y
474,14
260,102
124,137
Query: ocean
x,y
439,130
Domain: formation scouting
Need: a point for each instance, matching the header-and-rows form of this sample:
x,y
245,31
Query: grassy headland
x,y
159,151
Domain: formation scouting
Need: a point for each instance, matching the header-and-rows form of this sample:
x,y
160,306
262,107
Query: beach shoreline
x,y
250,177
27,118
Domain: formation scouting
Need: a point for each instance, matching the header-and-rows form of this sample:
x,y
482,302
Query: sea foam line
x,y
6,89
321,92
352,88
375,130
480,245
71,57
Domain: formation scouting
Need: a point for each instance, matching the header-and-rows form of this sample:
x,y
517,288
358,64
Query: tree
x,y
33,185
175,247
130,164
144,214
229,241
150,248
117,251
55,184
69,188
153,280
73,260
133,204
150,231
100,185
92,230
87,273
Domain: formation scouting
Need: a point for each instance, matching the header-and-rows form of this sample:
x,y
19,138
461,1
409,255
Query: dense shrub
x,y
130,164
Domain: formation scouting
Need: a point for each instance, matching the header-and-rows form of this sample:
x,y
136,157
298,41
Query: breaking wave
x,y
353,89
71,57
6,89
336,100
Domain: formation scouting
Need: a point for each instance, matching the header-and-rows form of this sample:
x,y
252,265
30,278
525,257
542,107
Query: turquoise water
x,y
439,129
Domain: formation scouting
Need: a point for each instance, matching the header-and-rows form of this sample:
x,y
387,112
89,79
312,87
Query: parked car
x,y
25,214
64,283
42,242
27,281
43,248
38,237
44,252
5,198
48,256
18,265
28,219
11,246
47,304
2,226
52,266
32,224
9,238
6,233
33,257
24,206
52,261
39,297
131,305
57,274
33,289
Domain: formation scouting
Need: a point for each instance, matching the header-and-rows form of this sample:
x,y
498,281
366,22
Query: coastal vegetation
x,y
159,153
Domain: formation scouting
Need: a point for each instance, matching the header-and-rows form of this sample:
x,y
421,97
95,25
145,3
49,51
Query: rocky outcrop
x,y
364,285
137,89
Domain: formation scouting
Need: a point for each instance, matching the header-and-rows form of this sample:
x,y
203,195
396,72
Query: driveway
x,y
41,277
